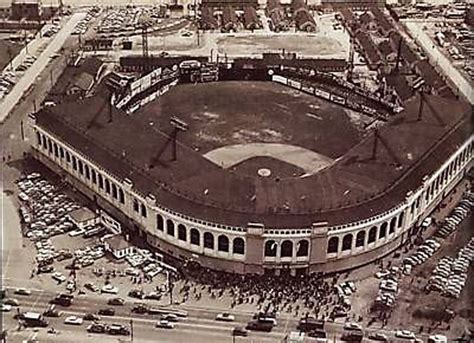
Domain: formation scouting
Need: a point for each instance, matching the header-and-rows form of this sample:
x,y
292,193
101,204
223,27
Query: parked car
x,y
405,334
109,289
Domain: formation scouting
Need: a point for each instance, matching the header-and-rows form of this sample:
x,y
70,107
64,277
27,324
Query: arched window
x,y
143,211
136,206
61,152
223,243
347,242
393,224
87,171
68,157
74,163
303,248
114,191
372,234
50,145
195,236
270,248
286,249
121,196
170,227
383,230
400,219
238,246
182,232
208,240
360,239
56,151
160,222
333,245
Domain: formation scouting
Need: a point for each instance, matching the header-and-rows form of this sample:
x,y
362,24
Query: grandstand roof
x,y
353,188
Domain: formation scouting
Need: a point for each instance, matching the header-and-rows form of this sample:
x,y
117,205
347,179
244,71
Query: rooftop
x,y
82,214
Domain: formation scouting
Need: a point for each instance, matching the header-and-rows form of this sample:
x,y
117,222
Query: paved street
x,y
200,323
28,78
437,58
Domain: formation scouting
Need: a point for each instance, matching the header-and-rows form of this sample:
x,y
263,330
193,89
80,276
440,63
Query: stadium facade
x,y
351,213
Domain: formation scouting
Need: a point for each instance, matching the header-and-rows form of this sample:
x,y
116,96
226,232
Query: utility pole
x,y
22,131
131,329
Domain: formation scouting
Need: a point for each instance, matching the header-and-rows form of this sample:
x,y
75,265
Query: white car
x,y
382,274
352,326
73,320
109,289
6,308
164,324
225,317
404,334
58,277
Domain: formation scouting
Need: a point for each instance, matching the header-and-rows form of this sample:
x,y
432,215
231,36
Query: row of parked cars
x,y
427,249
450,274
43,209
7,80
149,262
388,287
82,26
27,63
129,19
459,213
50,30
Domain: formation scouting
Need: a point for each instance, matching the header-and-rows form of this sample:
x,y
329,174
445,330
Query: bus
x,y
34,319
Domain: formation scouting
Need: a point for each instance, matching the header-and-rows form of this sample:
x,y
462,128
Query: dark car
x,y
240,331
106,312
140,308
91,316
63,300
97,328
116,301
51,312
118,329
259,326
136,293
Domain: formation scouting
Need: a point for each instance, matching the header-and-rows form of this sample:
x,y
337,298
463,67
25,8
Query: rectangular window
x,y
74,163
94,176
107,186
81,167
88,176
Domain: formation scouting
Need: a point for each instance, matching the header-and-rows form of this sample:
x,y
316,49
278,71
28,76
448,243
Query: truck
x,y
310,324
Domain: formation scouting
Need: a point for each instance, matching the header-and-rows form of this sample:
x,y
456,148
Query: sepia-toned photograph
x,y
236,171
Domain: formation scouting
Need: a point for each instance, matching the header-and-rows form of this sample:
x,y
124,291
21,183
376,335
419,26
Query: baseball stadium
x,y
258,169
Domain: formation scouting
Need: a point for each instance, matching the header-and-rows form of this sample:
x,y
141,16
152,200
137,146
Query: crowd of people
x,y
301,295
